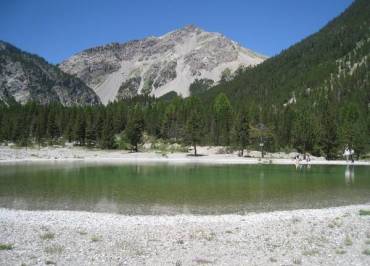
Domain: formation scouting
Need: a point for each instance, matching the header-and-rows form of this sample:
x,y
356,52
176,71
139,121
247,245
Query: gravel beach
x,y
209,155
334,236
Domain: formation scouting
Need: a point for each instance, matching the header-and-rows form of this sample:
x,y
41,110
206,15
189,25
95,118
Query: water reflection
x,y
301,166
174,189
349,174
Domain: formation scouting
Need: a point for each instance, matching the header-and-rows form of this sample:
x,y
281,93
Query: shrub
x,y
364,212
6,246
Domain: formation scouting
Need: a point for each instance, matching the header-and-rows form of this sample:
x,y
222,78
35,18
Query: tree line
x,y
320,125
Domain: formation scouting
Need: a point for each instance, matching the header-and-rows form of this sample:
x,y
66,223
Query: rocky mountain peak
x,y
191,28
158,65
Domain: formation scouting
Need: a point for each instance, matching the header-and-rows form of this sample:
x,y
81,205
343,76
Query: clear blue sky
x,y
58,29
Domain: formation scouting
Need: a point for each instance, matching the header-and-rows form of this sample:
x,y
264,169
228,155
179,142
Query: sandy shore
x,y
335,236
209,155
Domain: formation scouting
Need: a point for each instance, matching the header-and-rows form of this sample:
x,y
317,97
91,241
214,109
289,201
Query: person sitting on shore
x,y
351,154
346,153
296,158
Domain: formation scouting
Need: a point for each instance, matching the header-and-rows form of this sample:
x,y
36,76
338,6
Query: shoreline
x,y
209,161
330,236
208,155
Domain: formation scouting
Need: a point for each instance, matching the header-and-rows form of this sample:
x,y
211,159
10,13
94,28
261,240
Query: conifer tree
x,y
169,122
135,127
90,133
107,137
352,128
194,124
80,128
241,131
52,128
222,119
40,125
329,129
305,130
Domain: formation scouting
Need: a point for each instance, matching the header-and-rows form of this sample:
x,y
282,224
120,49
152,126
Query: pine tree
x,y
90,134
135,127
222,119
352,129
349,117
52,128
107,137
305,130
80,128
119,118
194,124
329,129
99,125
40,125
241,131
169,124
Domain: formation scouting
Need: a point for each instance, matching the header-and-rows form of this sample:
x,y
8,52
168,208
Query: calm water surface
x,y
174,189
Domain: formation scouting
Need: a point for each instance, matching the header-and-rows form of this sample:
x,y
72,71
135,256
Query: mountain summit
x,y
159,65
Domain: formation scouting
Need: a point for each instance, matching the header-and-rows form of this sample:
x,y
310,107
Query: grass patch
x,y
367,242
348,241
95,238
81,232
203,235
364,212
6,246
47,236
54,249
310,252
366,252
340,251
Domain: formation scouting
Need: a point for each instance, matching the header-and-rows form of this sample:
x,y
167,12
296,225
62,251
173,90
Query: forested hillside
x,y
313,97
312,63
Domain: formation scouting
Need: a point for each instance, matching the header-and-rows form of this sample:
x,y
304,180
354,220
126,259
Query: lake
x,y
179,188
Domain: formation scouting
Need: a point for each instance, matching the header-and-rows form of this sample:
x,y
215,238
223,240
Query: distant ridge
x,y
25,77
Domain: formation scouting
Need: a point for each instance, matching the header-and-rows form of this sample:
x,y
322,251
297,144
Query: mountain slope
x,y
321,61
159,65
25,77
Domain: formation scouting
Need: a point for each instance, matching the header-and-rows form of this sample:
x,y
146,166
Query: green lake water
x,y
180,188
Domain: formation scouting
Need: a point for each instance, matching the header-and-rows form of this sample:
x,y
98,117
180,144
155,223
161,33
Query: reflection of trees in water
x,y
349,174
